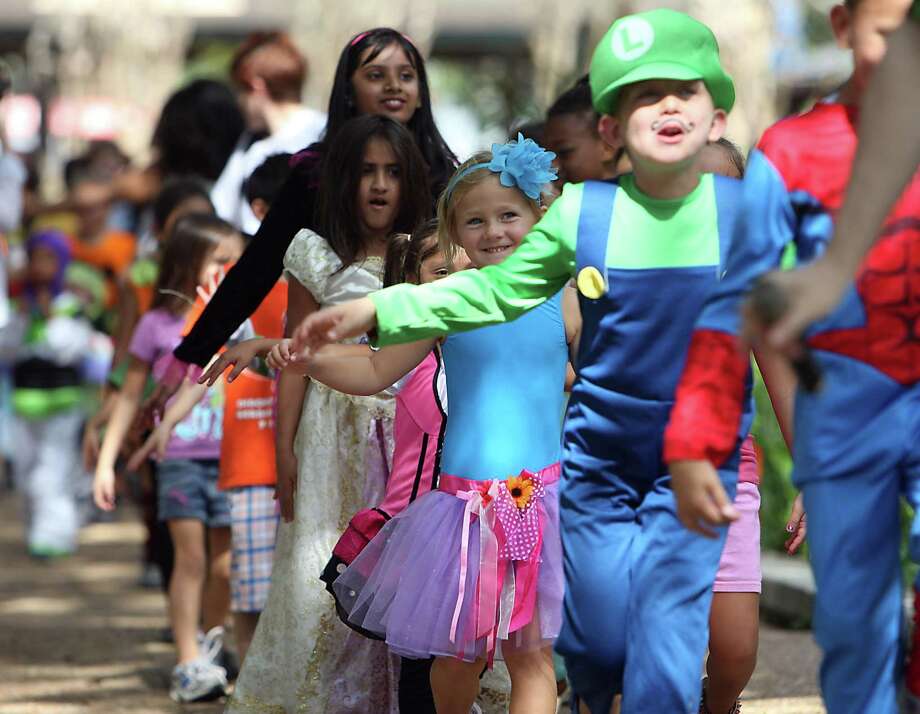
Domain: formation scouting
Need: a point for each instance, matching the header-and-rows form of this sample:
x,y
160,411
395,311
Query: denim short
x,y
187,488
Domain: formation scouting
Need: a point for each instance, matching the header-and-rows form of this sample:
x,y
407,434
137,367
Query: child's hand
x,y
701,499
156,443
240,356
280,356
796,526
810,294
207,291
334,324
168,383
104,488
286,488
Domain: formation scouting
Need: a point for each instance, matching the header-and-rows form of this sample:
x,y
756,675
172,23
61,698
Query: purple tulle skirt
x,y
469,570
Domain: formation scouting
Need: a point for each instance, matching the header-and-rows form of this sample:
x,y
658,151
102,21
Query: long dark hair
x,y
339,219
187,248
198,129
406,253
440,159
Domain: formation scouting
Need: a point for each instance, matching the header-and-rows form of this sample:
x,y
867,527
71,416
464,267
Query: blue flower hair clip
x,y
524,164
521,164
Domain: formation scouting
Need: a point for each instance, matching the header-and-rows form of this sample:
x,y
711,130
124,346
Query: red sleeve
x,y
709,400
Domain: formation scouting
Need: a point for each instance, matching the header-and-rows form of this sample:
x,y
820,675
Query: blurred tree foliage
x,y
776,489
209,59
497,89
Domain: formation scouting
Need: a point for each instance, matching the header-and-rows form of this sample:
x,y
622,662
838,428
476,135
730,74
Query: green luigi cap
x,y
658,44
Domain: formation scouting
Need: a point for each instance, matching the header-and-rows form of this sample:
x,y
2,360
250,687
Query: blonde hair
x,y
456,189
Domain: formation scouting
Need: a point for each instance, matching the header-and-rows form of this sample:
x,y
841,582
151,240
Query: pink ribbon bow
x,y
477,503
507,534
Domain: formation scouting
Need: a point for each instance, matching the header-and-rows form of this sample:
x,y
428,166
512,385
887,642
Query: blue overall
x,y
638,584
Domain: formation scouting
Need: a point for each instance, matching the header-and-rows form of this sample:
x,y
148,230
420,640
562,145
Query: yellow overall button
x,y
591,283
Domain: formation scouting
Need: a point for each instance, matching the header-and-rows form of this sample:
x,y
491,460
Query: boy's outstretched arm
x,y
359,370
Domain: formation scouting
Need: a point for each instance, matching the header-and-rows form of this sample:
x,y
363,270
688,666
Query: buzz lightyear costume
x,y
638,585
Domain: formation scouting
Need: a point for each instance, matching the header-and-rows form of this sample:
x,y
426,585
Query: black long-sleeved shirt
x,y
260,266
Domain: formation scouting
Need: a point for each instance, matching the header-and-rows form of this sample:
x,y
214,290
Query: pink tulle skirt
x,y
469,570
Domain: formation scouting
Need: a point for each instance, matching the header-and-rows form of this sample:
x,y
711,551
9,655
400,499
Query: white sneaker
x,y
211,643
197,681
211,646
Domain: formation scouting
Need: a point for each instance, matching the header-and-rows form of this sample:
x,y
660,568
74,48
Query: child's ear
x,y
841,18
608,152
719,123
610,130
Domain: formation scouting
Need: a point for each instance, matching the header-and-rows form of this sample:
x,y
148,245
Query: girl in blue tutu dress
x,y
473,569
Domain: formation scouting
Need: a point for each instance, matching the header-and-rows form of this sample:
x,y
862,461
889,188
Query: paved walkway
x,y
79,636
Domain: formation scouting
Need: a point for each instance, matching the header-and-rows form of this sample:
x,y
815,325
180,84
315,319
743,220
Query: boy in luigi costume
x,y
646,252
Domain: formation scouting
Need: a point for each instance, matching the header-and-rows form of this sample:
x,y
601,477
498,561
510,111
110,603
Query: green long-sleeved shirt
x,y
644,233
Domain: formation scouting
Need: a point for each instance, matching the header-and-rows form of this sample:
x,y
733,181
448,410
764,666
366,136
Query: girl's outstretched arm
x,y
125,409
254,274
239,356
186,398
333,324
359,370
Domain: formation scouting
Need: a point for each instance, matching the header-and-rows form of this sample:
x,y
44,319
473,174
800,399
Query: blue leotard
x,y
506,395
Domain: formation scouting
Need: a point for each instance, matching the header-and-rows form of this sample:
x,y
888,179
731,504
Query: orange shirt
x,y
112,255
247,450
144,296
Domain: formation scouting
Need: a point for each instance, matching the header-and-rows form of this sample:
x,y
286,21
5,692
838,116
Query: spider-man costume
x,y
857,440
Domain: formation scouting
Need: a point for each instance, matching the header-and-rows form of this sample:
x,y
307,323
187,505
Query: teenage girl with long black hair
x,y
380,71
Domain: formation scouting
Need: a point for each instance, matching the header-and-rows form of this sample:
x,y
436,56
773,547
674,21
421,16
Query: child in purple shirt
x,y
196,513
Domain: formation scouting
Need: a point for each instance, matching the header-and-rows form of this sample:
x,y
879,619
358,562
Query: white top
x,y
303,128
315,266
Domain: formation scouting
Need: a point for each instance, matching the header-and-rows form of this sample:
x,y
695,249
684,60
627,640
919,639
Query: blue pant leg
x,y
598,526
854,537
911,486
910,405
852,440
668,621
